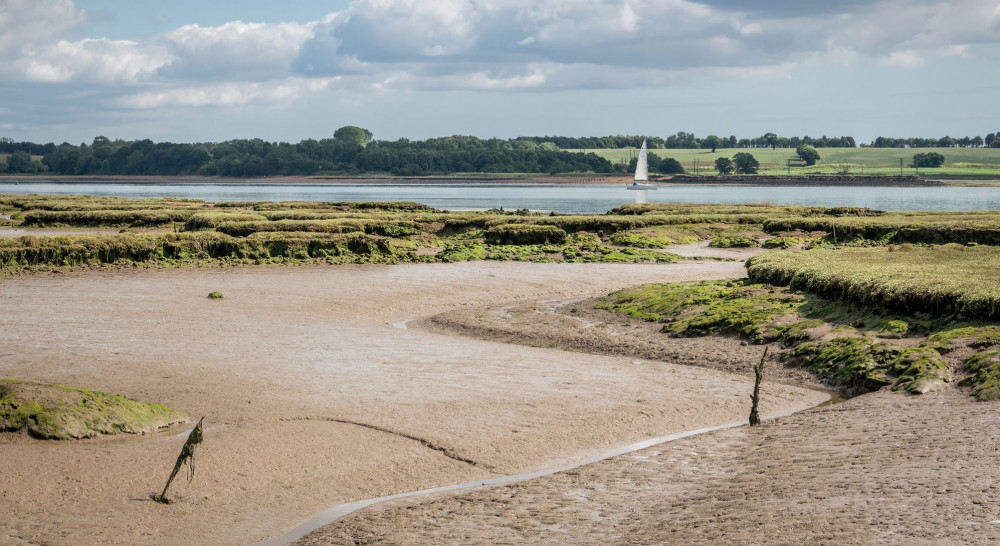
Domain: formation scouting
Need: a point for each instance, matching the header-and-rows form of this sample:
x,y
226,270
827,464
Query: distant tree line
x,y
351,150
992,140
684,140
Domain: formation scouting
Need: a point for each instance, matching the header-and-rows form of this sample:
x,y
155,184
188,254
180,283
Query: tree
x,y
770,139
808,154
946,142
19,162
352,134
711,141
745,163
724,165
929,159
670,165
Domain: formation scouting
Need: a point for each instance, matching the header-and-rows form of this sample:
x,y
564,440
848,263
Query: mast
x,y
641,169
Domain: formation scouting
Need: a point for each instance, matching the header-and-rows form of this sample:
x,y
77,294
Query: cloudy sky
x,y
190,70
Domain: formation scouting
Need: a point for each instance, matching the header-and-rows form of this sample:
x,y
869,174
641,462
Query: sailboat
x,y
641,172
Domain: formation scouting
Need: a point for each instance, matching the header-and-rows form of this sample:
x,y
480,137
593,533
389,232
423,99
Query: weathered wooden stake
x,y
758,372
186,456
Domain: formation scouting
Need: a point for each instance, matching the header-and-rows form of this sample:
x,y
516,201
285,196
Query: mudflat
x,y
882,468
313,394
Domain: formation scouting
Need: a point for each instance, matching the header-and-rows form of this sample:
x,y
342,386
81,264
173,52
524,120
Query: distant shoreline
x,y
806,180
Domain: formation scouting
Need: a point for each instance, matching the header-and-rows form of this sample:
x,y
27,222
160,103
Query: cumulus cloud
x,y
94,60
248,49
500,45
28,23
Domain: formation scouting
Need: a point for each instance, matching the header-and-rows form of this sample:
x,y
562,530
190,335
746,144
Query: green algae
x,y
919,370
61,412
984,375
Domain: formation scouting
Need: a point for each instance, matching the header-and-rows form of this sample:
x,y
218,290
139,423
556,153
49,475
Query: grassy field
x,y
958,161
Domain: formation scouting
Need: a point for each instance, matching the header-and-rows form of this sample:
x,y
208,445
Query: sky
x,y
188,71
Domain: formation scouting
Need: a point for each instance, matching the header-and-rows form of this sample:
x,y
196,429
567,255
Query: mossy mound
x,y
859,364
752,311
919,370
984,375
734,241
60,412
782,242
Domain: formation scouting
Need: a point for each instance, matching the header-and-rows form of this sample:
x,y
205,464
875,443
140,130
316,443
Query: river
x,y
544,197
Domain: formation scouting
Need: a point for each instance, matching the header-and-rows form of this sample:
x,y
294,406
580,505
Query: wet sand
x,y
294,368
884,468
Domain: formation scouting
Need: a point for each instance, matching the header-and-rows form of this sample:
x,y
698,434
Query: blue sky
x,y
210,70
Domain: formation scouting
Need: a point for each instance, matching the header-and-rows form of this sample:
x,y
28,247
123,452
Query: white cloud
x,y
403,45
904,59
229,94
237,48
94,60
28,23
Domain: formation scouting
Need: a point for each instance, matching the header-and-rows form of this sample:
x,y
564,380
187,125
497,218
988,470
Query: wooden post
x,y
758,371
186,456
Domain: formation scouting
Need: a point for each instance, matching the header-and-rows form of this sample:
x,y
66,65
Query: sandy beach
x,y
291,371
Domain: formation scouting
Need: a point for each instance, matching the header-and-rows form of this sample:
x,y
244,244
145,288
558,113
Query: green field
x,y
973,162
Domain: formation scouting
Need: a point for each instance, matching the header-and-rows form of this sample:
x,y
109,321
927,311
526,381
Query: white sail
x,y
641,168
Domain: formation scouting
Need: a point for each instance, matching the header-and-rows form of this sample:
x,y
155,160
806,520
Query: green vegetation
x,y
212,219
724,165
524,234
840,344
60,412
782,242
733,241
899,227
966,162
949,280
335,232
807,154
353,151
94,218
984,375
215,295
928,159
745,163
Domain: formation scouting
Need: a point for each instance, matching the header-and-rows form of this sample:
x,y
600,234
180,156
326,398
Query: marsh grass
x,y
950,280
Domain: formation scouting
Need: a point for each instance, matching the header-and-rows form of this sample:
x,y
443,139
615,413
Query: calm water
x,y
544,197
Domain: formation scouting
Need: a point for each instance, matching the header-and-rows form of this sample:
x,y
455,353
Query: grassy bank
x,y
950,280
860,318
